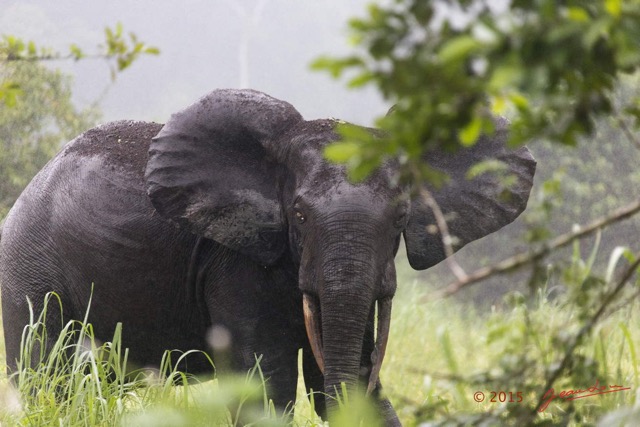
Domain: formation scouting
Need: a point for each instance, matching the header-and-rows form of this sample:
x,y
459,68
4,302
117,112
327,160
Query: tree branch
x,y
443,228
57,57
441,223
523,258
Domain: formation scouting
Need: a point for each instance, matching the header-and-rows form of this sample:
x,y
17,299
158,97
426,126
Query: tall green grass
x,y
82,382
441,353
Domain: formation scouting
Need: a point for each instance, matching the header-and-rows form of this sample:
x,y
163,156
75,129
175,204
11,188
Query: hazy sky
x,y
200,42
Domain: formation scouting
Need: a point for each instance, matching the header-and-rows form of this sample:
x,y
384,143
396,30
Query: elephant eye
x,y
300,217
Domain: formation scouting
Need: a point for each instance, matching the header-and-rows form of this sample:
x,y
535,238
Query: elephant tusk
x,y
382,338
312,324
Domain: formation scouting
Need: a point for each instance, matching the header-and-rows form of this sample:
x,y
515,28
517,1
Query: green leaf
x,y
458,48
332,66
471,132
361,170
613,7
519,100
492,165
361,80
505,75
76,52
498,105
9,92
151,50
32,49
598,29
341,152
578,14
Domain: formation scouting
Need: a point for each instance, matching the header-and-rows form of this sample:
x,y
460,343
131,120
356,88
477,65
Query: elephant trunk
x,y
336,326
344,277
343,337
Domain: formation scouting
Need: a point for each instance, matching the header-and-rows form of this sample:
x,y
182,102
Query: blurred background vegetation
x,y
566,76
34,124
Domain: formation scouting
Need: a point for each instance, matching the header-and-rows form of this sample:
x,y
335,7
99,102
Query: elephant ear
x,y
474,207
211,169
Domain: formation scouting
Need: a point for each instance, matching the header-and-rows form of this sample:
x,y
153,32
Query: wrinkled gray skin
x,y
227,217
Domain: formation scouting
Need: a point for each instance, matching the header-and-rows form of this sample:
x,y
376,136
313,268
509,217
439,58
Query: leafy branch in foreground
x,y
448,66
553,68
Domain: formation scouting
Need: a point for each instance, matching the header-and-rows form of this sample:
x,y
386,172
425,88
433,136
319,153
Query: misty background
x,y
261,44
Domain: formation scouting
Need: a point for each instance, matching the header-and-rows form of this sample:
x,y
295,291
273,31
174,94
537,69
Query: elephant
x,y
229,216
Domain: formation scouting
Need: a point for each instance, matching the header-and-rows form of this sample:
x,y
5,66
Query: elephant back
x,y
122,145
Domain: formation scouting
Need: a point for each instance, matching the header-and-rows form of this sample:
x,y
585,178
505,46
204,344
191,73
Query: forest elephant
x,y
229,216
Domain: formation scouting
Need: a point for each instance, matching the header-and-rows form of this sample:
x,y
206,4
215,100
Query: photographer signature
x,y
594,390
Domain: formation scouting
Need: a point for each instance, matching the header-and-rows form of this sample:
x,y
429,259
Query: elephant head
x,y
246,170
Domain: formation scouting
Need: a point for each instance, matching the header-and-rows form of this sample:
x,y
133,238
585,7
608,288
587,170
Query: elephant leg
x,y
14,313
278,363
280,369
260,312
33,351
314,381
278,360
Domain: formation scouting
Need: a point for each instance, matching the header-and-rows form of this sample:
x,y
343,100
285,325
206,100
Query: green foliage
x,y
447,65
449,352
9,92
354,410
604,167
15,49
38,121
119,49
81,382
116,49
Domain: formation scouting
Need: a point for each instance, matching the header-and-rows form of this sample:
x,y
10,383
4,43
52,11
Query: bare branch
x,y
523,258
447,241
57,57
